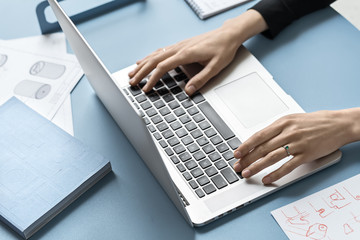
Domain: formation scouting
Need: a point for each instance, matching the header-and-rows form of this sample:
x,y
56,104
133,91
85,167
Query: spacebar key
x,y
216,120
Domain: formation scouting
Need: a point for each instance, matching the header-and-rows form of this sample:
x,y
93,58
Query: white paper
x,y
63,118
42,82
331,214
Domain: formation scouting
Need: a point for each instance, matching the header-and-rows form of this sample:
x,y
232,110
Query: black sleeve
x,y
280,13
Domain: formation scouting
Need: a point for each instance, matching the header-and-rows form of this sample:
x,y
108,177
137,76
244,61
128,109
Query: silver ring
x,y
164,49
287,149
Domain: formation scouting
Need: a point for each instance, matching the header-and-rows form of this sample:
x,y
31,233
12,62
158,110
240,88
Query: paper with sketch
x,y
42,82
331,214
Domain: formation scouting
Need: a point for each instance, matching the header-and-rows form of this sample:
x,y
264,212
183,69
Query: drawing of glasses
x,y
31,89
3,59
47,70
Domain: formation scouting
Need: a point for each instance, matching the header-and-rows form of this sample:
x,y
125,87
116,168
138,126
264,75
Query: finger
x,y
262,150
134,72
149,66
165,66
199,80
257,139
285,169
270,159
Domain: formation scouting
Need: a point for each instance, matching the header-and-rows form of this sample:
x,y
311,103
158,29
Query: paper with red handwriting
x,y
330,214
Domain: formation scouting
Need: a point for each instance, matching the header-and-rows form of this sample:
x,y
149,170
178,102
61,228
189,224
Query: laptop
x,y
188,142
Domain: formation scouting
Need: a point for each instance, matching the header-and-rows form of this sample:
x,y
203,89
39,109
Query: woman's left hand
x,y
308,136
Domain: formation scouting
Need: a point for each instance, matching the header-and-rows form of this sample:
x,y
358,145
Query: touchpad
x,y
251,100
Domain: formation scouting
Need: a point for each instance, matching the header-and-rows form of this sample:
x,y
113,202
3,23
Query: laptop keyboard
x,y
191,133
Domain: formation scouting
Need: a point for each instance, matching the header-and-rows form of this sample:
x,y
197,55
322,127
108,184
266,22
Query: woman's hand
x,y
214,50
308,136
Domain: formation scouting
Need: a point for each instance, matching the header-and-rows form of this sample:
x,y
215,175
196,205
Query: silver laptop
x,y
188,143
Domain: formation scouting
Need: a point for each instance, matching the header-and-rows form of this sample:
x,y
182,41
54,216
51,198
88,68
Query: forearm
x,y
244,26
351,117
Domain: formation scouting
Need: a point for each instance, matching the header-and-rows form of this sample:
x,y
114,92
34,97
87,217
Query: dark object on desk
x,y
47,27
42,168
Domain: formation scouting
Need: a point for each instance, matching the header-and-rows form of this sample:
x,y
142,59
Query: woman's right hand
x,y
214,50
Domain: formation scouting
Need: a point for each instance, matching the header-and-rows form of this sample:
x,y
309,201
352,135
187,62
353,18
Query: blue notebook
x,y
42,168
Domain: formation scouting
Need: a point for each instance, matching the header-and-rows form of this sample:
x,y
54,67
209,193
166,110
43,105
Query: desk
x,y
316,60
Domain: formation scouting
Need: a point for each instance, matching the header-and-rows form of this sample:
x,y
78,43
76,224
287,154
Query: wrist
x,y
352,118
245,26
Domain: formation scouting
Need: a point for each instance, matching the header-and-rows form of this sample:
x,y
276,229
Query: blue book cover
x,y
42,168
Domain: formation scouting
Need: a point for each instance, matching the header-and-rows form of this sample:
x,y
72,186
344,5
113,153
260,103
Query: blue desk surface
x,y
316,60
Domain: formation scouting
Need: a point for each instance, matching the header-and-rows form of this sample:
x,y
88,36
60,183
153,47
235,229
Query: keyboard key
x,y
163,143
181,167
205,163
162,91
214,156
179,149
197,97
187,103
162,126
219,181
173,141
210,132
222,147
229,175
151,128
146,121
142,83
216,140
158,85
169,82
185,119
159,104
168,97
187,176
204,125
135,90
168,134
193,184
145,105
190,126
164,111
209,189
202,141
178,70
192,111
198,118
173,105
179,112
175,125
200,193
228,155
176,90
191,164
170,118
157,136
140,98
187,140
197,172
199,155
180,77
185,156
169,152
231,163
197,133
153,97
193,148
234,143
216,120
182,96
181,132
220,164
126,91
211,171
208,149
175,159
151,112
203,180
156,119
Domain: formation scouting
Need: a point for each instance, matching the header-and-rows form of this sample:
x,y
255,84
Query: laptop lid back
x,y
118,106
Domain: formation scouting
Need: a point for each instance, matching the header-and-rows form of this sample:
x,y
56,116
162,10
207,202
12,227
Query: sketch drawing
x,y
31,89
47,70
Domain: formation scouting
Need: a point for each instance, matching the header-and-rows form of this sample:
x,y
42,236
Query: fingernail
x,y
237,167
237,154
246,173
267,180
190,90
